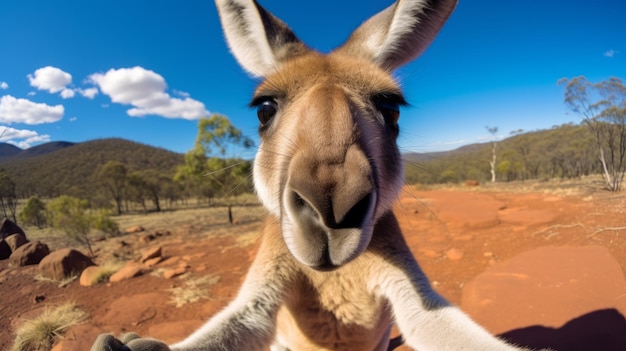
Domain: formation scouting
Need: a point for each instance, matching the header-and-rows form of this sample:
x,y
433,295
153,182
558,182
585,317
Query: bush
x,y
34,212
73,216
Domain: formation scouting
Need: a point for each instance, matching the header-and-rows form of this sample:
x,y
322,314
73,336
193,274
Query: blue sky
x,y
80,70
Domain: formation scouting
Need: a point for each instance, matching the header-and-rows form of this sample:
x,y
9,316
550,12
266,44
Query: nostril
x,y
356,215
298,201
302,206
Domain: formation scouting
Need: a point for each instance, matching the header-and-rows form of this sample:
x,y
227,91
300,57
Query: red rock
x,y
153,261
15,241
29,253
151,253
5,250
169,261
131,270
89,276
63,264
174,272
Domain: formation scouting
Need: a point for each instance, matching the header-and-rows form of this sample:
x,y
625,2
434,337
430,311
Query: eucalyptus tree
x,y
602,107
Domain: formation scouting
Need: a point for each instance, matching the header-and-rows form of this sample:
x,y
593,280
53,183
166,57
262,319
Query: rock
x,y
151,253
153,261
5,250
134,229
90,276
29,253
144,239
15,241
63,264
8,228
174,272
131,270
454,254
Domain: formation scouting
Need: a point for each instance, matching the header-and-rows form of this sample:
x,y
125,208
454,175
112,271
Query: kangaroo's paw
x,y
127,342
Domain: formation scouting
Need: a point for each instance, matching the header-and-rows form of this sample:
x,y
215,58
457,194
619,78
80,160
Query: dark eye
x,y
389,107
390,111
266,110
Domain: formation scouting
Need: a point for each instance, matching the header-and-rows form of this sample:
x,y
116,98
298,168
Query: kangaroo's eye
x,y
266,109
389,107
390,111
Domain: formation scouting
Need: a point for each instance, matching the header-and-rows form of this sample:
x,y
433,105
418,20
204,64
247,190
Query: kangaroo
x,y
333,271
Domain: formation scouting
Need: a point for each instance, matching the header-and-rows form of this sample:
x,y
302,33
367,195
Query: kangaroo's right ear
x,y
259,41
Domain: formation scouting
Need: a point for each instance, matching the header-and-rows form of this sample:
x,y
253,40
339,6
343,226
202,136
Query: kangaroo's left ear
x,y
399,33
259,40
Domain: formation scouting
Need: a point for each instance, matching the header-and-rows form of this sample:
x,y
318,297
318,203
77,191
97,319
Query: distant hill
x,y
430,156
10,152
59,168
564,151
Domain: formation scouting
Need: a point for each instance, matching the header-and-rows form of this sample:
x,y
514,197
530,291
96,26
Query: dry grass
x,y
193,290
41,333
60,283
106,270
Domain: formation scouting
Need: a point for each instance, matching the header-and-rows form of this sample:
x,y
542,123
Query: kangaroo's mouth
x,y
325,244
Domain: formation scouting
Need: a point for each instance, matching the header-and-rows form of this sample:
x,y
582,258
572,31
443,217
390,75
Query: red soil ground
x,y
540,269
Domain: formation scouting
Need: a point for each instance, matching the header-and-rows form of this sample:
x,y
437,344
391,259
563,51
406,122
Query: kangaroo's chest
x,y
333,311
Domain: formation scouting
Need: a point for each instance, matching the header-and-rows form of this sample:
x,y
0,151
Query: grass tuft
x,y
107,269
193,290
42,332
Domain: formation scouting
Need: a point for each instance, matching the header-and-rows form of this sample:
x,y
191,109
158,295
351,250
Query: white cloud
x,y
145,91
181,93
31,93
50,79
67,93
22,138
4,85
72,119
610,53
14,110
89,93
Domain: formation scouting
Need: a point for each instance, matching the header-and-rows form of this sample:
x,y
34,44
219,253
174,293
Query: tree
x,y
602,107
73,216
492,163
34,212
147,184
8,197
206,168
113,176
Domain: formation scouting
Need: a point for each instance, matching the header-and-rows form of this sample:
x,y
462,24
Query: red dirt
x,y
543,270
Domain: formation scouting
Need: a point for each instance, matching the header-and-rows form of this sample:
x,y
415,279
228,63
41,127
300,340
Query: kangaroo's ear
x,y
399,33
259,41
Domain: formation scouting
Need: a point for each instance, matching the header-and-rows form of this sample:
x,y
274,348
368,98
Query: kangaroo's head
x,y
328,165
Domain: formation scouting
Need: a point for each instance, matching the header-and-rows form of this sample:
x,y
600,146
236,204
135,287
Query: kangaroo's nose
x,y
341,211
